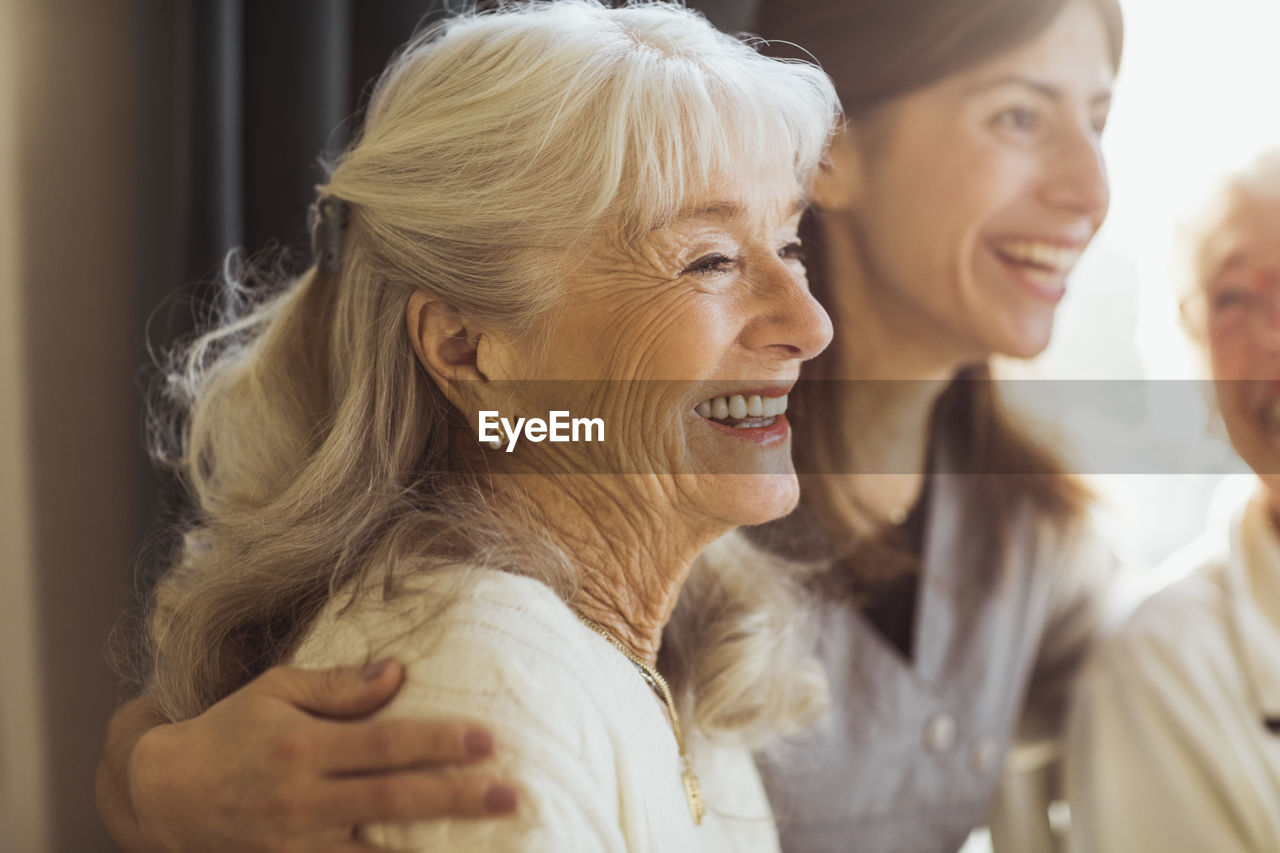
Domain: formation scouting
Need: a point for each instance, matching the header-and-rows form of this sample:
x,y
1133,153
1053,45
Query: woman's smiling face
x,y
659,336
975,195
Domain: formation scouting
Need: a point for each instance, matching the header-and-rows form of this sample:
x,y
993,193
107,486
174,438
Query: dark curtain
x,y
238,101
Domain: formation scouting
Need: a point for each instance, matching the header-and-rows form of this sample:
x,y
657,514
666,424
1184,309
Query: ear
x,y
838,185
447,346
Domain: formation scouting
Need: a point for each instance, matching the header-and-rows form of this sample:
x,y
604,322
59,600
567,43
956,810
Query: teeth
x,y
1059,259
739,407
1045,278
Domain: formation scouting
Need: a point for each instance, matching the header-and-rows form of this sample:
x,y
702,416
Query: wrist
x,y
146,760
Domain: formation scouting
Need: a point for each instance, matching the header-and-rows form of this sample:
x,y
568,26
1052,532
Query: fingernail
x,y
500,799
373,670
478,743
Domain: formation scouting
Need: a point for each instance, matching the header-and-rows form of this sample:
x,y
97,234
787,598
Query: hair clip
x,y
328,222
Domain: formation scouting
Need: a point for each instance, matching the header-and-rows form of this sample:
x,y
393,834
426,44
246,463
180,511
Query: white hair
x,y
1257,177
319,455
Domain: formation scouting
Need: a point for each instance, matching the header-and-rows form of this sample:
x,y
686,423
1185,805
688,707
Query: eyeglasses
x,y
1241,300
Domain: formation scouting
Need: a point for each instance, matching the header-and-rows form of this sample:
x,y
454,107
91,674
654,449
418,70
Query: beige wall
x,y
67,404
23,815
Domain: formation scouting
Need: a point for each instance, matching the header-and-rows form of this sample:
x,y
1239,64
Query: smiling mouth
x,y
743,411
1044,264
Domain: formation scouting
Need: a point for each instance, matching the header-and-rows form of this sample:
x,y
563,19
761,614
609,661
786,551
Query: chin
x,y
747,499
776,496
1026,339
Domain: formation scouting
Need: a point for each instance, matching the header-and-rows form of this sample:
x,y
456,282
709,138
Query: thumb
x,y
340,691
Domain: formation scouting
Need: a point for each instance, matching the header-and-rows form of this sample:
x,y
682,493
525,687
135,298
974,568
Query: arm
x,y
285,764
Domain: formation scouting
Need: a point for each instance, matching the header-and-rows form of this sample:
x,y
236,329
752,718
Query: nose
x,y
1078,181
789,323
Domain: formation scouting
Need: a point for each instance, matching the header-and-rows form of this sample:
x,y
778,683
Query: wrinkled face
x,y
1238,313
982,190
685,343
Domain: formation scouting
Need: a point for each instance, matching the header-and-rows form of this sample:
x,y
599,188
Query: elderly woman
x,y
552,192
1174,742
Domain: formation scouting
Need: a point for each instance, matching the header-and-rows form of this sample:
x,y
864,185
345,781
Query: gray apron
x,y
911,755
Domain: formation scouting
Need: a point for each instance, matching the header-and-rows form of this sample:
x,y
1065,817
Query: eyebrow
x,y
1046,90
1233,262
733,210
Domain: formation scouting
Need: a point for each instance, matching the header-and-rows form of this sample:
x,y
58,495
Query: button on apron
x,y
940,732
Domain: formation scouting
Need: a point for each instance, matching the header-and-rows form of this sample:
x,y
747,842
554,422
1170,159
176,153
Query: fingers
x,y
342,691
401,744
415,795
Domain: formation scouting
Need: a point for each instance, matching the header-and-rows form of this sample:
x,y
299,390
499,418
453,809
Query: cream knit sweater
x,y
577,728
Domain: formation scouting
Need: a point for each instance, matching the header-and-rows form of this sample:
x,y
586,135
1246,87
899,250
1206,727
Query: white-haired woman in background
x,y
1174,740
550,192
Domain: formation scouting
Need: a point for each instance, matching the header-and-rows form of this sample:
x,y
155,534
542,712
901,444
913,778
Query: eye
x,y
1023,119
1224,299
793,251
1100,124
715,262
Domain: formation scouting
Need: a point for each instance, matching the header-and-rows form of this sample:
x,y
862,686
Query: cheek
x,y
1231,359
1230,365
691,340
935,220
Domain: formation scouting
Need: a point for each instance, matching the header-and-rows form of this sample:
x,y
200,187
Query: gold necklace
x,y
692,790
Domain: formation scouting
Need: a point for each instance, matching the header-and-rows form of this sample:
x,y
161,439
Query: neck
x,y
901,363
618,531
885,335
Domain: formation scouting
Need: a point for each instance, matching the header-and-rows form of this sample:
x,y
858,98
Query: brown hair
x,y
878,51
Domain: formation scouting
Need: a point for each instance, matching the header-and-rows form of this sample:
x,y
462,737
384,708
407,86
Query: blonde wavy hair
x,y
319,456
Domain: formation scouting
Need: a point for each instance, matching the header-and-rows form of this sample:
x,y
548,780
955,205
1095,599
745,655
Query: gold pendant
x,y
694,794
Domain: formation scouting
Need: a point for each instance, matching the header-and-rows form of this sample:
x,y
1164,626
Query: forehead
x,y
1072,53
1247,234
762,200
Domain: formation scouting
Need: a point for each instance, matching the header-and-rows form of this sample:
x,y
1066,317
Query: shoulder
x,y
1175,643
474,634
505,652
485,611
1076,567
482,645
